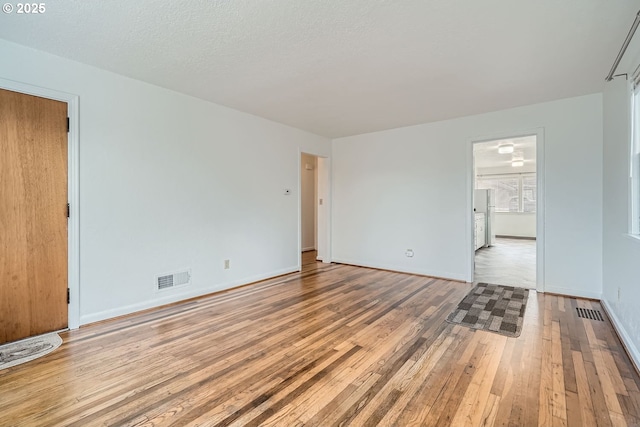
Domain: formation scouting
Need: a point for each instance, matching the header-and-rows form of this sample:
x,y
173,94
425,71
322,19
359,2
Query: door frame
x,y
323,190
73,188
540,199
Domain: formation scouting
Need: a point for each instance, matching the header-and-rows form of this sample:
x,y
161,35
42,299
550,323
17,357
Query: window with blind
x,y
513,192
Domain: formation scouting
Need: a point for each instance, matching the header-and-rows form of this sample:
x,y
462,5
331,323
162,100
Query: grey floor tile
x,y
509,262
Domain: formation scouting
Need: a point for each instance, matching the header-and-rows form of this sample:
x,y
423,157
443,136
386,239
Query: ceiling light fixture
x,y
505,148
517,163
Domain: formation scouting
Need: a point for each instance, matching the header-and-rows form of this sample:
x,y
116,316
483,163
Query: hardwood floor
x,y
509,262
332,346
309,261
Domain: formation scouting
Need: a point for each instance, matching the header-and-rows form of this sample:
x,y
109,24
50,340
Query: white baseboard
x,y
570,292
627,342
177,297
431,273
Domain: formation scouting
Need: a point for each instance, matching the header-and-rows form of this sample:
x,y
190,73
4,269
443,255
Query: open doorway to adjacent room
x,y
309,211
505,211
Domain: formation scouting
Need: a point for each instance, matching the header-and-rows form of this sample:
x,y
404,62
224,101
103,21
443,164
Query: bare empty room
x,y
278,213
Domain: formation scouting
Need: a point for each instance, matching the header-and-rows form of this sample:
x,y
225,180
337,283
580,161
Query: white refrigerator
x,y
484,201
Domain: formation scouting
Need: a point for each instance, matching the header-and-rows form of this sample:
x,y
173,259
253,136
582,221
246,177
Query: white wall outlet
x,y
409,253
226,264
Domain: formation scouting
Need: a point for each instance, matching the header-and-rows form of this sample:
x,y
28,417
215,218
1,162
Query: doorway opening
x,y
314,247
308,210
505,205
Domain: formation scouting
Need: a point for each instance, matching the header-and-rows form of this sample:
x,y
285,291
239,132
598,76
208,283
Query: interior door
x,y
33,216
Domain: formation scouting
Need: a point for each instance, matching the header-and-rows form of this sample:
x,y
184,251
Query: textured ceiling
x,y
343,67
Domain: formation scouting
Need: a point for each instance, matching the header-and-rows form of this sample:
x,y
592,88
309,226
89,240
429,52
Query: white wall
x,y
621,253
169,182
407,188
515,224
323,209
308,183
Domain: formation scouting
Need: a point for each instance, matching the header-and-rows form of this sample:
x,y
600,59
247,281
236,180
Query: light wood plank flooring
x,y
510,262
332,346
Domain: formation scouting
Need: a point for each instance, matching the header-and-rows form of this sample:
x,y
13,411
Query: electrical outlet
x,y
226,264
409,253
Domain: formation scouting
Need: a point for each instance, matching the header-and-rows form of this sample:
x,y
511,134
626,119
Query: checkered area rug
x,y
492,308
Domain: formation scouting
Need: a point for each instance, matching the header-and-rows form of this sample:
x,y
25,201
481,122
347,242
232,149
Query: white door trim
x,y
540,208
73,190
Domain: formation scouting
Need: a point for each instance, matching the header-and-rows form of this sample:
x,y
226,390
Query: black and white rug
x,y
493,308
23,351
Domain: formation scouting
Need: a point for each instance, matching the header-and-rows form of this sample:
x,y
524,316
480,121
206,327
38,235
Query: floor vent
x,y
172,280
587,313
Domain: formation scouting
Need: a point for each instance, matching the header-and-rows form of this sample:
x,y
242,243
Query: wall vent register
x,y
172,280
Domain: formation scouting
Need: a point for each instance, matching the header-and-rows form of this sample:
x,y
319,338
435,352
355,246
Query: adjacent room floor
x,y
509,262
335,345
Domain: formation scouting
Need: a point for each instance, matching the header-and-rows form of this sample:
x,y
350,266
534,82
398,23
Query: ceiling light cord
x,y
623,49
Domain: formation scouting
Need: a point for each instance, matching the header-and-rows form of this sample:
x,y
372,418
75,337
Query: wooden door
x,y
33,215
